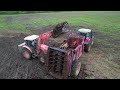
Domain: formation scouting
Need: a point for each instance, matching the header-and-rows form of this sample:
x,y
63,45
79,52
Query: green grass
x,y
108,24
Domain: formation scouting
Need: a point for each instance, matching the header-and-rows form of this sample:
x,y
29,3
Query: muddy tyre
x,y
87,47
26,54
76,69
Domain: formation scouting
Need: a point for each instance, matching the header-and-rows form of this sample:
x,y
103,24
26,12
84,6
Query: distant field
x,y
102,62
107,22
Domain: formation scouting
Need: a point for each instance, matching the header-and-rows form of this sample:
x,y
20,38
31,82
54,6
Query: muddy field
x,y
13,66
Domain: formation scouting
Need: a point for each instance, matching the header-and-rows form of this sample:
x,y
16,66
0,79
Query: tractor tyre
x,y
87,47
76,69
26,54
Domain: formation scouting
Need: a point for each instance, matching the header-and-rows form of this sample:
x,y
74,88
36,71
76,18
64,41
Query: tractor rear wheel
x,y
26,54
87,47
76,68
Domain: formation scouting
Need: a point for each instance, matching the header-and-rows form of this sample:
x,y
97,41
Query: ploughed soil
x,y
102,62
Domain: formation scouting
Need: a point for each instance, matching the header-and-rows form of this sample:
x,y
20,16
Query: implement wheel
x,y
76,68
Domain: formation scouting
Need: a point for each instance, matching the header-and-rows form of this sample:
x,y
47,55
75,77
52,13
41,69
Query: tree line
x,y
24,12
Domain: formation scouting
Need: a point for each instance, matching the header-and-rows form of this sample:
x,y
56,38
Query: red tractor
x,y
89,38
34,45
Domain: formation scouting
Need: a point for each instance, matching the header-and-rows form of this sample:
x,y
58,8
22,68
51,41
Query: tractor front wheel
x,y
26,54
76,69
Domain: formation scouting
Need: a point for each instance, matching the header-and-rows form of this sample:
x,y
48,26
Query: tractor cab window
x,y
31,43
34,43
91,34
83,34
88,35
28,43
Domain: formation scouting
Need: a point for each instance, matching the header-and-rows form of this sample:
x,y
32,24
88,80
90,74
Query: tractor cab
x,y
88,38
31,41
85,32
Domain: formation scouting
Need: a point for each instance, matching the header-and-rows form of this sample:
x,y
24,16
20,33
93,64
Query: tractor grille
x,y
57,63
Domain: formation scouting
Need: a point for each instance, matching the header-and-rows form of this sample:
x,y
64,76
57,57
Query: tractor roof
x,y
83,30
32,37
